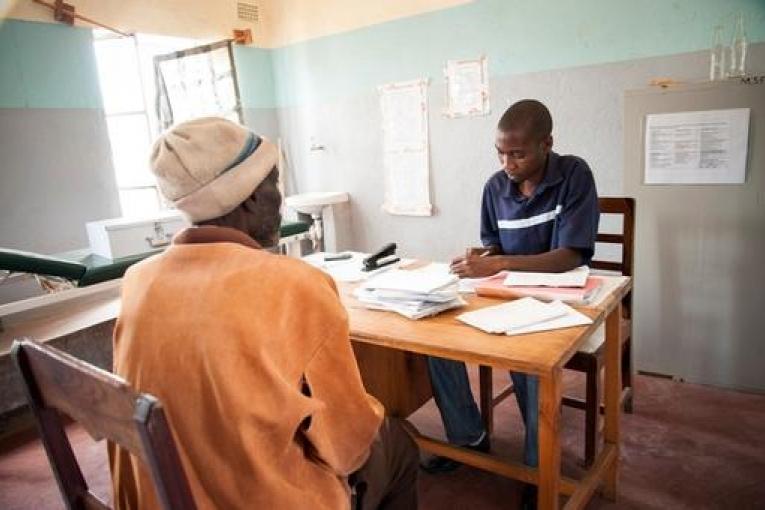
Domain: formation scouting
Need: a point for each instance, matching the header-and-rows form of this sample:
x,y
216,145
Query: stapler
x,y
381,258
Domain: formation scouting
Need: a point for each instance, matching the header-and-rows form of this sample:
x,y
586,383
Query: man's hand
x,y
459,262
475,266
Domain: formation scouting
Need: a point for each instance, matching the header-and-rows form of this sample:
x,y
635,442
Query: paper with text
x,y
406,158
467,87
704,147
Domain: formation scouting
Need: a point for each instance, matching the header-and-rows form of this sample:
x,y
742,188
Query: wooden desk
x,y
82,327
542,354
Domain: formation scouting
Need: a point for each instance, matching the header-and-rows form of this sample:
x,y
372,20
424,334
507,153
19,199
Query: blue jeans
x,y
459,412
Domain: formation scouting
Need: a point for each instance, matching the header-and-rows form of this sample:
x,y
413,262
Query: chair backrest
x,y
626,208
106,407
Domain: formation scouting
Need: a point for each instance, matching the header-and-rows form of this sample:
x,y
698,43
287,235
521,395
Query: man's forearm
x,y
555,261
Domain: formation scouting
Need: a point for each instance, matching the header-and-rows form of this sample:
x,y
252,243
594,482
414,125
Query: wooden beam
x,y
486,461
63,12
613,391
550,394
589,484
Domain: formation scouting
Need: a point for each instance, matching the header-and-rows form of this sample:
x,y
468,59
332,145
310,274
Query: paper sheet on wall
x,y
467,87
705,147
405,148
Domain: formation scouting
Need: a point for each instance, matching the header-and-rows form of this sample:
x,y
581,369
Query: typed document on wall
x,y
706,147
405,148
467,88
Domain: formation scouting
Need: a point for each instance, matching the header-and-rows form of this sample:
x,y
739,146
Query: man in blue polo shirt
x,y
539,213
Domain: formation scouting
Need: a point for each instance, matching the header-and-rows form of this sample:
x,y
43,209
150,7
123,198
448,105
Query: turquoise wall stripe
x,y
256,77
517,35
45,65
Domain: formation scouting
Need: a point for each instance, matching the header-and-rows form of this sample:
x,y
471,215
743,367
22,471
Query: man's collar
x,y
213,234
551,177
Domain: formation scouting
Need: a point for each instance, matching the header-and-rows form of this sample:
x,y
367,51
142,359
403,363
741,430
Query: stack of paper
x,y
525,315
413,294
465,285
575,287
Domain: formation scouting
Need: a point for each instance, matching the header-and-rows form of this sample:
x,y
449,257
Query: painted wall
x,y
518,37
256,90
289,21
55,163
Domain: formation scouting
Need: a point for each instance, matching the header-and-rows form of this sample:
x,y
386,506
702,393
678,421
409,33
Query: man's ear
x,y
547,144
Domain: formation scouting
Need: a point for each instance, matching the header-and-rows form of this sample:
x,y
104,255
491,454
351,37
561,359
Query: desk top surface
x,y
60,319
444,336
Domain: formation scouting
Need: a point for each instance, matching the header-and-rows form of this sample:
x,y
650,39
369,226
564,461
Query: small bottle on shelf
x,y
738,46
717,68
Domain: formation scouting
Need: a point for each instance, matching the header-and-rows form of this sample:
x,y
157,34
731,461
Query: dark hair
x,y
528,115
259,215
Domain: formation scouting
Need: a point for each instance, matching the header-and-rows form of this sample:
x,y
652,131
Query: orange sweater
x,y
226,336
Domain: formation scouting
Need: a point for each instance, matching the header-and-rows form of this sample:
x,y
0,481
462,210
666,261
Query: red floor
x,y
686,446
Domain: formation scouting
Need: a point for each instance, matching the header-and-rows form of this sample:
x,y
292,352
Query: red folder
x,y
496,288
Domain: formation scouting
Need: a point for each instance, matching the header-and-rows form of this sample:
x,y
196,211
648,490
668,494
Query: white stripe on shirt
x,y
530,222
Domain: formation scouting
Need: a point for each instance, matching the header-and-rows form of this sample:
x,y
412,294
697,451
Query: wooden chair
x,y
106,407
589,359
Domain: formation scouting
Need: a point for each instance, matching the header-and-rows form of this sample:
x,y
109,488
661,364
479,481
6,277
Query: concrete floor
x,y
686,447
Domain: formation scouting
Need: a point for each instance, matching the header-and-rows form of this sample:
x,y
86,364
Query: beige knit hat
x,y
206,167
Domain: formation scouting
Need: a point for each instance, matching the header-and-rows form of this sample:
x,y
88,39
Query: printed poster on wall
x,y
405,148
467,88
704,147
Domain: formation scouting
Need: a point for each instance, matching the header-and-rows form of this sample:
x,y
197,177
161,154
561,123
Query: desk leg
x,y
613,390
549,439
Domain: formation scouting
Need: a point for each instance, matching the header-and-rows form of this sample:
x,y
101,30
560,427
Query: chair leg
x,y
592,412
627,373
487,398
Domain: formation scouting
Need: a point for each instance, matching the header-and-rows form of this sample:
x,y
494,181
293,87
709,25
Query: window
x,y
197,82
126,76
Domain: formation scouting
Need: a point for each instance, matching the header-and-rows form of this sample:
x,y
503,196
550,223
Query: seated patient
x,y
538,213
248,350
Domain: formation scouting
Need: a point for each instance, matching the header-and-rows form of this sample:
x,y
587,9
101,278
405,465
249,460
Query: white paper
x,y
406,158
467,87
574,278
512,316
704,147
570,319
411,281
465,285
